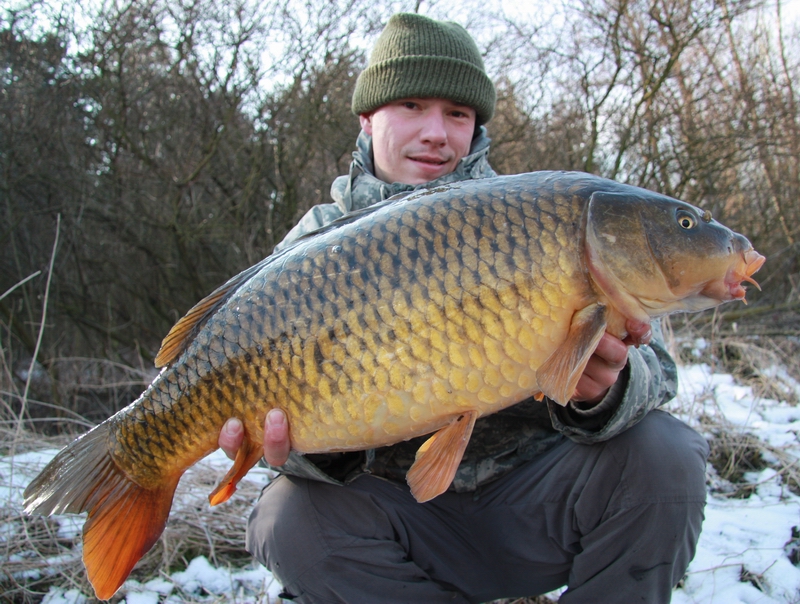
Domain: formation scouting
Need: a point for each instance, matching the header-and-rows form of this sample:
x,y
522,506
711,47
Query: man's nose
x,y
433,128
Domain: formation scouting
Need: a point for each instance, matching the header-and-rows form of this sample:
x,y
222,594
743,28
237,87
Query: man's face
x,y
415,141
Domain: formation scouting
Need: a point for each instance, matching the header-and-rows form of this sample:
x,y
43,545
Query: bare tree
x,y
179,141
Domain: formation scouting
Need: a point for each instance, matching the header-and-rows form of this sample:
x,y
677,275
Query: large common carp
x,y
416,315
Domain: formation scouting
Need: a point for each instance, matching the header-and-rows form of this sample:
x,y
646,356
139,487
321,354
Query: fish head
x,y
654,255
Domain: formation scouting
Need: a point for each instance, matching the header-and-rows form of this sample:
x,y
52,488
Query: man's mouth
x,y
433,161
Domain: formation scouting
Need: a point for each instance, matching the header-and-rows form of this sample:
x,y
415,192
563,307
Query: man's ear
x,y
366,122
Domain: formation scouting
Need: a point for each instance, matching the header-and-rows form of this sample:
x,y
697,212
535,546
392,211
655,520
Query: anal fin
x,y
438,458
246,457
558,376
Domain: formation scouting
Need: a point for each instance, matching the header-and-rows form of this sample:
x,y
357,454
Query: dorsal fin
x,y
183,332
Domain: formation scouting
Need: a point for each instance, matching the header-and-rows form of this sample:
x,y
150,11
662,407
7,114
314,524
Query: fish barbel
x,y
416,315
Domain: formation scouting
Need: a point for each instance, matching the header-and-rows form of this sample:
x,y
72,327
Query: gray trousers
x,y
616,521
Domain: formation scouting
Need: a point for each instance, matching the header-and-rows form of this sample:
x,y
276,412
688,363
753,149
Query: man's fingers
x,y
588,390
231,437
602,370
638,333
276,438
612,351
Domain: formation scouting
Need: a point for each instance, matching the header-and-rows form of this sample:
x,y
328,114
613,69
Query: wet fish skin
x,y
406,318
363,315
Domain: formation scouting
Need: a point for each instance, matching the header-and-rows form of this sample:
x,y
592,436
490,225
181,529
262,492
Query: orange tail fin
x,y
125,519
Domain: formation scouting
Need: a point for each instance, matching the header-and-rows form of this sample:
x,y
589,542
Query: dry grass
x,y
35,553
770,366
747,354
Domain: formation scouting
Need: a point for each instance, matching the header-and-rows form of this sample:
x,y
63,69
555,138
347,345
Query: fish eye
x,y
686,220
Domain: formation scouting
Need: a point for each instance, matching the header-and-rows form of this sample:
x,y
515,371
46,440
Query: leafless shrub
x,y
179,151
732,455
769,366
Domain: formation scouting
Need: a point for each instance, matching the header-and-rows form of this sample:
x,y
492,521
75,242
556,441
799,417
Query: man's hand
x,y
276,438
608,360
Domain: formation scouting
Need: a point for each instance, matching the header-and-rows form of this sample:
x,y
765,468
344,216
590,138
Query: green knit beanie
x,y
419,57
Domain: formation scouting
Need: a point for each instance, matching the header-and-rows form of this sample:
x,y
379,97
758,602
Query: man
x,y
604,496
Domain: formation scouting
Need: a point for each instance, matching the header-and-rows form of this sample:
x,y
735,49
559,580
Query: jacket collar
x,y
361,188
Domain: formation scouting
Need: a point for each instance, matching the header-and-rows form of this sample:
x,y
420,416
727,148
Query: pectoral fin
x,y
246,457
559,374
438,458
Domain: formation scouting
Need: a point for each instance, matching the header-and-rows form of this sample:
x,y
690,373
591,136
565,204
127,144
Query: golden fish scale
x,y
376,332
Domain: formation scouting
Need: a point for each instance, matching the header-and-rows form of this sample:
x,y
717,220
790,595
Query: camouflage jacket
x,y
504,440
361,188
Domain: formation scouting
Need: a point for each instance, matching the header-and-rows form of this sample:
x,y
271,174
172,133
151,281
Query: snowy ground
x,y
745,554
747,545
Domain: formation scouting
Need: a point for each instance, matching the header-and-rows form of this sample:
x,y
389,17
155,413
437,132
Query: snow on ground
x,y
745,553
747,545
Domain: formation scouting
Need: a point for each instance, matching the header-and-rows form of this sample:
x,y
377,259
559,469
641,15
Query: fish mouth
x,y
732,286
752,262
